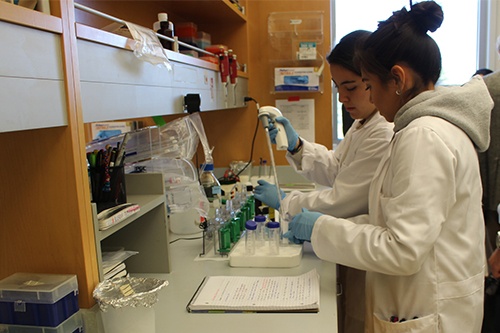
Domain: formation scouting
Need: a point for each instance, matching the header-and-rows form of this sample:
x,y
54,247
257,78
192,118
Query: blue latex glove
x,y
291,134
267,193
301,227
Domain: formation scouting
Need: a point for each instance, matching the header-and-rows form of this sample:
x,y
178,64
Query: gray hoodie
x,y
467,107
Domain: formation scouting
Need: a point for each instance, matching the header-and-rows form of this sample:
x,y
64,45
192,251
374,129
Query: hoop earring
x,y
398,92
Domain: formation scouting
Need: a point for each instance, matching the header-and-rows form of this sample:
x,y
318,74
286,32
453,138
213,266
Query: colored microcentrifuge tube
x,y
224,239
250,241
234,227
273,229
251,205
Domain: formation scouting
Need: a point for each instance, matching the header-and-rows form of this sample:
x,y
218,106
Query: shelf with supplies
x,y
297,61
132,88
145,232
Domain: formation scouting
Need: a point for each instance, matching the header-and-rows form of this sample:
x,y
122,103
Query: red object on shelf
x,y
186,30
223,65
216,48
233,68
210,58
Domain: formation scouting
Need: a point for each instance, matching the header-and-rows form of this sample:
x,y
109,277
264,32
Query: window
x,y
458,36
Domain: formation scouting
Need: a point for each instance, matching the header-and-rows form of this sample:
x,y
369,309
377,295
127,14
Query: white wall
x,y
493,58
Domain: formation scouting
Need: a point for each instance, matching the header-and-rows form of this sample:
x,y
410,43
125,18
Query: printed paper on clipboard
x,y
300,112
237,294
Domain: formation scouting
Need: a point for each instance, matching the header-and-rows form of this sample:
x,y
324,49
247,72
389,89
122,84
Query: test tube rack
x,y
289,256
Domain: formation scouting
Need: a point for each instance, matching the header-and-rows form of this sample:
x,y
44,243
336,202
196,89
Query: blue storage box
x,y
73,324
38,299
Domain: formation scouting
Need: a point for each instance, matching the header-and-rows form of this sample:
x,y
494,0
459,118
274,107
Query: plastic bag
x,y
147,46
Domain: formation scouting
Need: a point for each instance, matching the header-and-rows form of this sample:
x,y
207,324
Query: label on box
x,y
296,79
307,51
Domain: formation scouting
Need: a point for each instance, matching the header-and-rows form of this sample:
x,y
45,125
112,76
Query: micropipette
x,y
267,113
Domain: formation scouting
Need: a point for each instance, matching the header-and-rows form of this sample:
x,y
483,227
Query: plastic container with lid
x,y
209,182
186,29
38,299
250,241
216,48
73,324
273,228
260,233
166,28
203,39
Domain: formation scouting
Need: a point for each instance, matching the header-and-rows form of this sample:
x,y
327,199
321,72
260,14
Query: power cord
x,y
248,99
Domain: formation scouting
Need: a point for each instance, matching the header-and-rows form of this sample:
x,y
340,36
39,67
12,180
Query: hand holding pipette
x,y
291,134
268,194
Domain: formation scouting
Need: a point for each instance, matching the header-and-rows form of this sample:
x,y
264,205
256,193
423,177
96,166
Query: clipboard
x,y
257,294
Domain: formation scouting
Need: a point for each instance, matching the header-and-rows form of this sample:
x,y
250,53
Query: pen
x,y
112,158
107,176
121,151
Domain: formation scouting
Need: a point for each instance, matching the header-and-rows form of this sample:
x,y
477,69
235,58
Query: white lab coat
x,y
422,243
346,171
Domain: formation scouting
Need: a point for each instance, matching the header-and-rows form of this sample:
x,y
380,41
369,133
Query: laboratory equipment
x,y
38,299
260,235
209,182
235,229
250,237
268,114
166,28
273,229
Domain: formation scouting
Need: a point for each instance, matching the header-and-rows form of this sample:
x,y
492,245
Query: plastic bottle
x,y
210,183
166,28
216,224
260,220
250,241
273,229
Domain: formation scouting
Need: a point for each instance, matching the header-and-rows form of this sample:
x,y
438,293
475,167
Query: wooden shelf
x,y
145,231
31,18
206,11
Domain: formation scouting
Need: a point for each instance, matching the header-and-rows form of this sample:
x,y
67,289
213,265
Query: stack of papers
x,y
257,294
119,270
113,263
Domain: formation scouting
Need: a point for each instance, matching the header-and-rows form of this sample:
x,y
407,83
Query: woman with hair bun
x,y
422,241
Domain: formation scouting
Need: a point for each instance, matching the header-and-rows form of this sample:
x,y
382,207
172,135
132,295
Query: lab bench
x,y
188,272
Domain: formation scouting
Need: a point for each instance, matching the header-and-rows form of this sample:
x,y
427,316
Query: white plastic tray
x,y
289,256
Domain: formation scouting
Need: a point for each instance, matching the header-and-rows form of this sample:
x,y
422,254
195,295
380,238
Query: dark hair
x,y
483,71
343,53
403,39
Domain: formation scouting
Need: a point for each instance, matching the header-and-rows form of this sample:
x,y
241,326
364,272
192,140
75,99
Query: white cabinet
x,y
32,90
115,84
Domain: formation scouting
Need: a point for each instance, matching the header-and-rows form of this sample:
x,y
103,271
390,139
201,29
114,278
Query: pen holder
x,y
107,186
